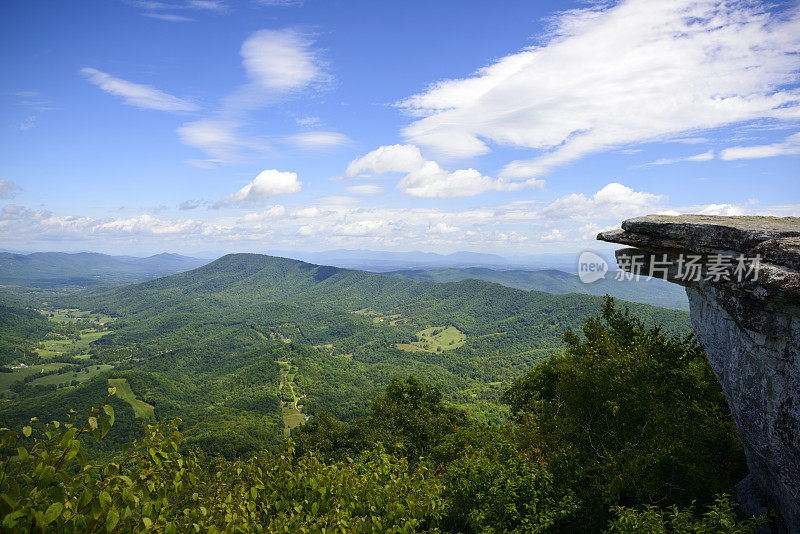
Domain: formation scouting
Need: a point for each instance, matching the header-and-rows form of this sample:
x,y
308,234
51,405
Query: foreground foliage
x,y
51,486
629,415
626,418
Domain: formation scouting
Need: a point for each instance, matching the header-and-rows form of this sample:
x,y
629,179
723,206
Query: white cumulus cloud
x,y
613,201
425,178
267,184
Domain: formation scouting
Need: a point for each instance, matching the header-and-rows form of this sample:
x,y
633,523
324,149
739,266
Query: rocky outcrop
x,y
742,277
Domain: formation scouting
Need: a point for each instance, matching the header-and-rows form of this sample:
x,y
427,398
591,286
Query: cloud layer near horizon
x,y
568,222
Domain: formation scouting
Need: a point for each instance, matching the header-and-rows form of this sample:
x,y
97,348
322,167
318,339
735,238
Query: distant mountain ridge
x,y
62,269
250,281
385,261
648,291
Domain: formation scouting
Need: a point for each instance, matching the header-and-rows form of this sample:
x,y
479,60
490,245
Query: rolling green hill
x,y
203,344
648,291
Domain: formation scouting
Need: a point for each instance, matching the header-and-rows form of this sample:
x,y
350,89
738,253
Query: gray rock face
x,y
742,277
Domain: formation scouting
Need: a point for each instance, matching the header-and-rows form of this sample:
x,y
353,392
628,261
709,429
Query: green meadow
x,y
141,409
66,378
436,339
56,347
6,379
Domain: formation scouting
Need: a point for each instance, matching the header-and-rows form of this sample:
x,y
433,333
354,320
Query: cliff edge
x,y
742,277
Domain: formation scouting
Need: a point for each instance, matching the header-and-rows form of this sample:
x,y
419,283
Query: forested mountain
x,y
646,290
598,435
61,269
342,335
496,416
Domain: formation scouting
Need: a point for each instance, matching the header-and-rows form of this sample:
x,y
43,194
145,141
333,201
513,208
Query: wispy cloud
x,y
308,121
278,63
319,140
365,189
169,17
8,189
789,146
220,139
618,74
28,123
170,11
280,3
35,104
134,94
705,156
208,5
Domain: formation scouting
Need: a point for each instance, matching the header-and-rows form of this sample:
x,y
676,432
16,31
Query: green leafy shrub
x,y
49,485
499,488
629,415
721,518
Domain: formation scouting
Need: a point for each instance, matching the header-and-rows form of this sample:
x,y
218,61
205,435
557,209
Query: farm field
x,y
6,379
74,315
435,339
67,378
141,410
56,347
291,414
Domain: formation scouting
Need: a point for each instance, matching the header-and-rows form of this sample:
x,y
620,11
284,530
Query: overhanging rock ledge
x,y
742,277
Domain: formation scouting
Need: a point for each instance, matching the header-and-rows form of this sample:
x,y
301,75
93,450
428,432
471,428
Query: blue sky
x,y
507,127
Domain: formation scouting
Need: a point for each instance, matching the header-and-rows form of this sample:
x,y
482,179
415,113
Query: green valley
x,y
183,343
252,356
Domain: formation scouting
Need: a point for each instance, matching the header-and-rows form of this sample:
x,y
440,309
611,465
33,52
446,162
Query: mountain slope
x,y
648,291
205,345
241,281
60,269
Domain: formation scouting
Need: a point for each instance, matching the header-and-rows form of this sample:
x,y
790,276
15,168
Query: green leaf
x,y
27,431
112,390
110,413
111,520
53,511
105,498
13,518
92,423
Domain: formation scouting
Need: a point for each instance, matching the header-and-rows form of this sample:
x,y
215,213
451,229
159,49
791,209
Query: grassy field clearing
x,y
436,339
6,379
141,409
67,378
74,315
55,347
292,416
